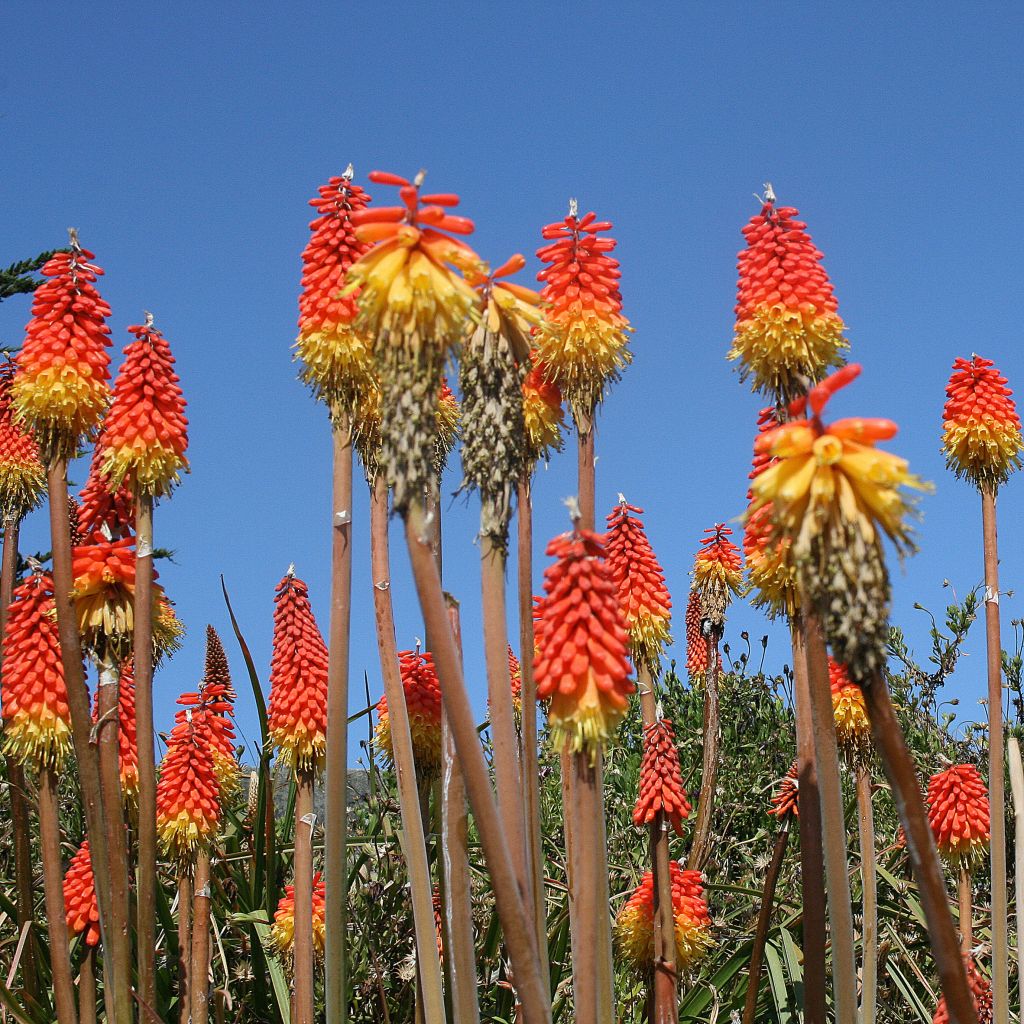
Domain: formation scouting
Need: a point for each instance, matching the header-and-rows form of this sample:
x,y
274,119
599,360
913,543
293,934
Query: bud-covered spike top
x,y
36,715
583,342
22,477
696,644
981,995
853,729
958,812
634,925
446,420
61,389
543,418
282,932
423,705
787,797
661,779
102,505
581,665
717,572
515,675
981,431
643,597
145,433
787,326
336,360
81,909
298,680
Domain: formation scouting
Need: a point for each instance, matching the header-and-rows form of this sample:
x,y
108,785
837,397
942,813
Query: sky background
x,y
184,144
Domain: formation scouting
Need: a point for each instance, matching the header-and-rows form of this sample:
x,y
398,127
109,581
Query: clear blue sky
x,y
184,143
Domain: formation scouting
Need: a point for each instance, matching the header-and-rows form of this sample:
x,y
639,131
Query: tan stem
x,y
302,865
53,890
812,864
700,846
996,765
587,477
143,656
764,918
515,921
460,956
87,987
924,859
1017,786
965,906
184,945
336,777
830,792
414,845
16,790
200,994
869,890
531,769
117,958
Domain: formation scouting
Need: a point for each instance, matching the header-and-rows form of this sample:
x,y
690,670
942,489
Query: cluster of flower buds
x,y
282,931
661,779
786,799
22,477
81,910
696,642
981,994
958,812
423,705
853,728
543,418
717,573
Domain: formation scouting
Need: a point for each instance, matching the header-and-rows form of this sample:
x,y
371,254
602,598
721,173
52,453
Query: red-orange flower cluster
x,y
81,909
36,716
104,593
515,677
661,779
581,663
102,505
787,327
696,644
423,704
542,413
786,799
61,389
297,713
853,728
717,572
643,597
958,813
981,993
145,434
283,929
22,477
981,429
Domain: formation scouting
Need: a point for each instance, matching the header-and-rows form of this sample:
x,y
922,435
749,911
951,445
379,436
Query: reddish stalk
x,y
336,776
965,903
200,994
184,945
87,987
924,859
764,918
1017,786
117,996
53,889
143,652
830,792
302,865
996,764
531,768
700,846
414,846
869,896
812,864
516,922
20,825
460,955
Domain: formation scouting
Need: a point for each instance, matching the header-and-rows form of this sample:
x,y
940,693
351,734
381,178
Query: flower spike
x,y
696,644
282,931
717,573
423,703
853,729
786,799
81,909
981,994
958,813
661,779
543,418
22,477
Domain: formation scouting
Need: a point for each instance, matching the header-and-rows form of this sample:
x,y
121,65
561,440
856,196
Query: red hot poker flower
x,y
661,779
853,729
423,705
696,644
283,930
81,909
981,429
786,799
145,433
643,596
542,413
103,505
515,675
298,679
717,572
981,993
958,813
581,665
22,477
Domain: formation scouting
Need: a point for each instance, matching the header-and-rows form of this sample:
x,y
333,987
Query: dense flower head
x,y
61,389
634,924
22,476
981,432
127,739
661,779
853,728
717,572
282,932
36,715
103,505
145,434
981,995
787,797
542,413
581,665
423,706
297,713
833,494
643,597
770,569
788,329
958,812
583,341
337,362
696,642
81,909
515,676
446,419
188,807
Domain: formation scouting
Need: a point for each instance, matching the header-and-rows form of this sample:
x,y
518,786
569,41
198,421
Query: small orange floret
x,y
661,779
423,704
81,909
581,666
958,812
